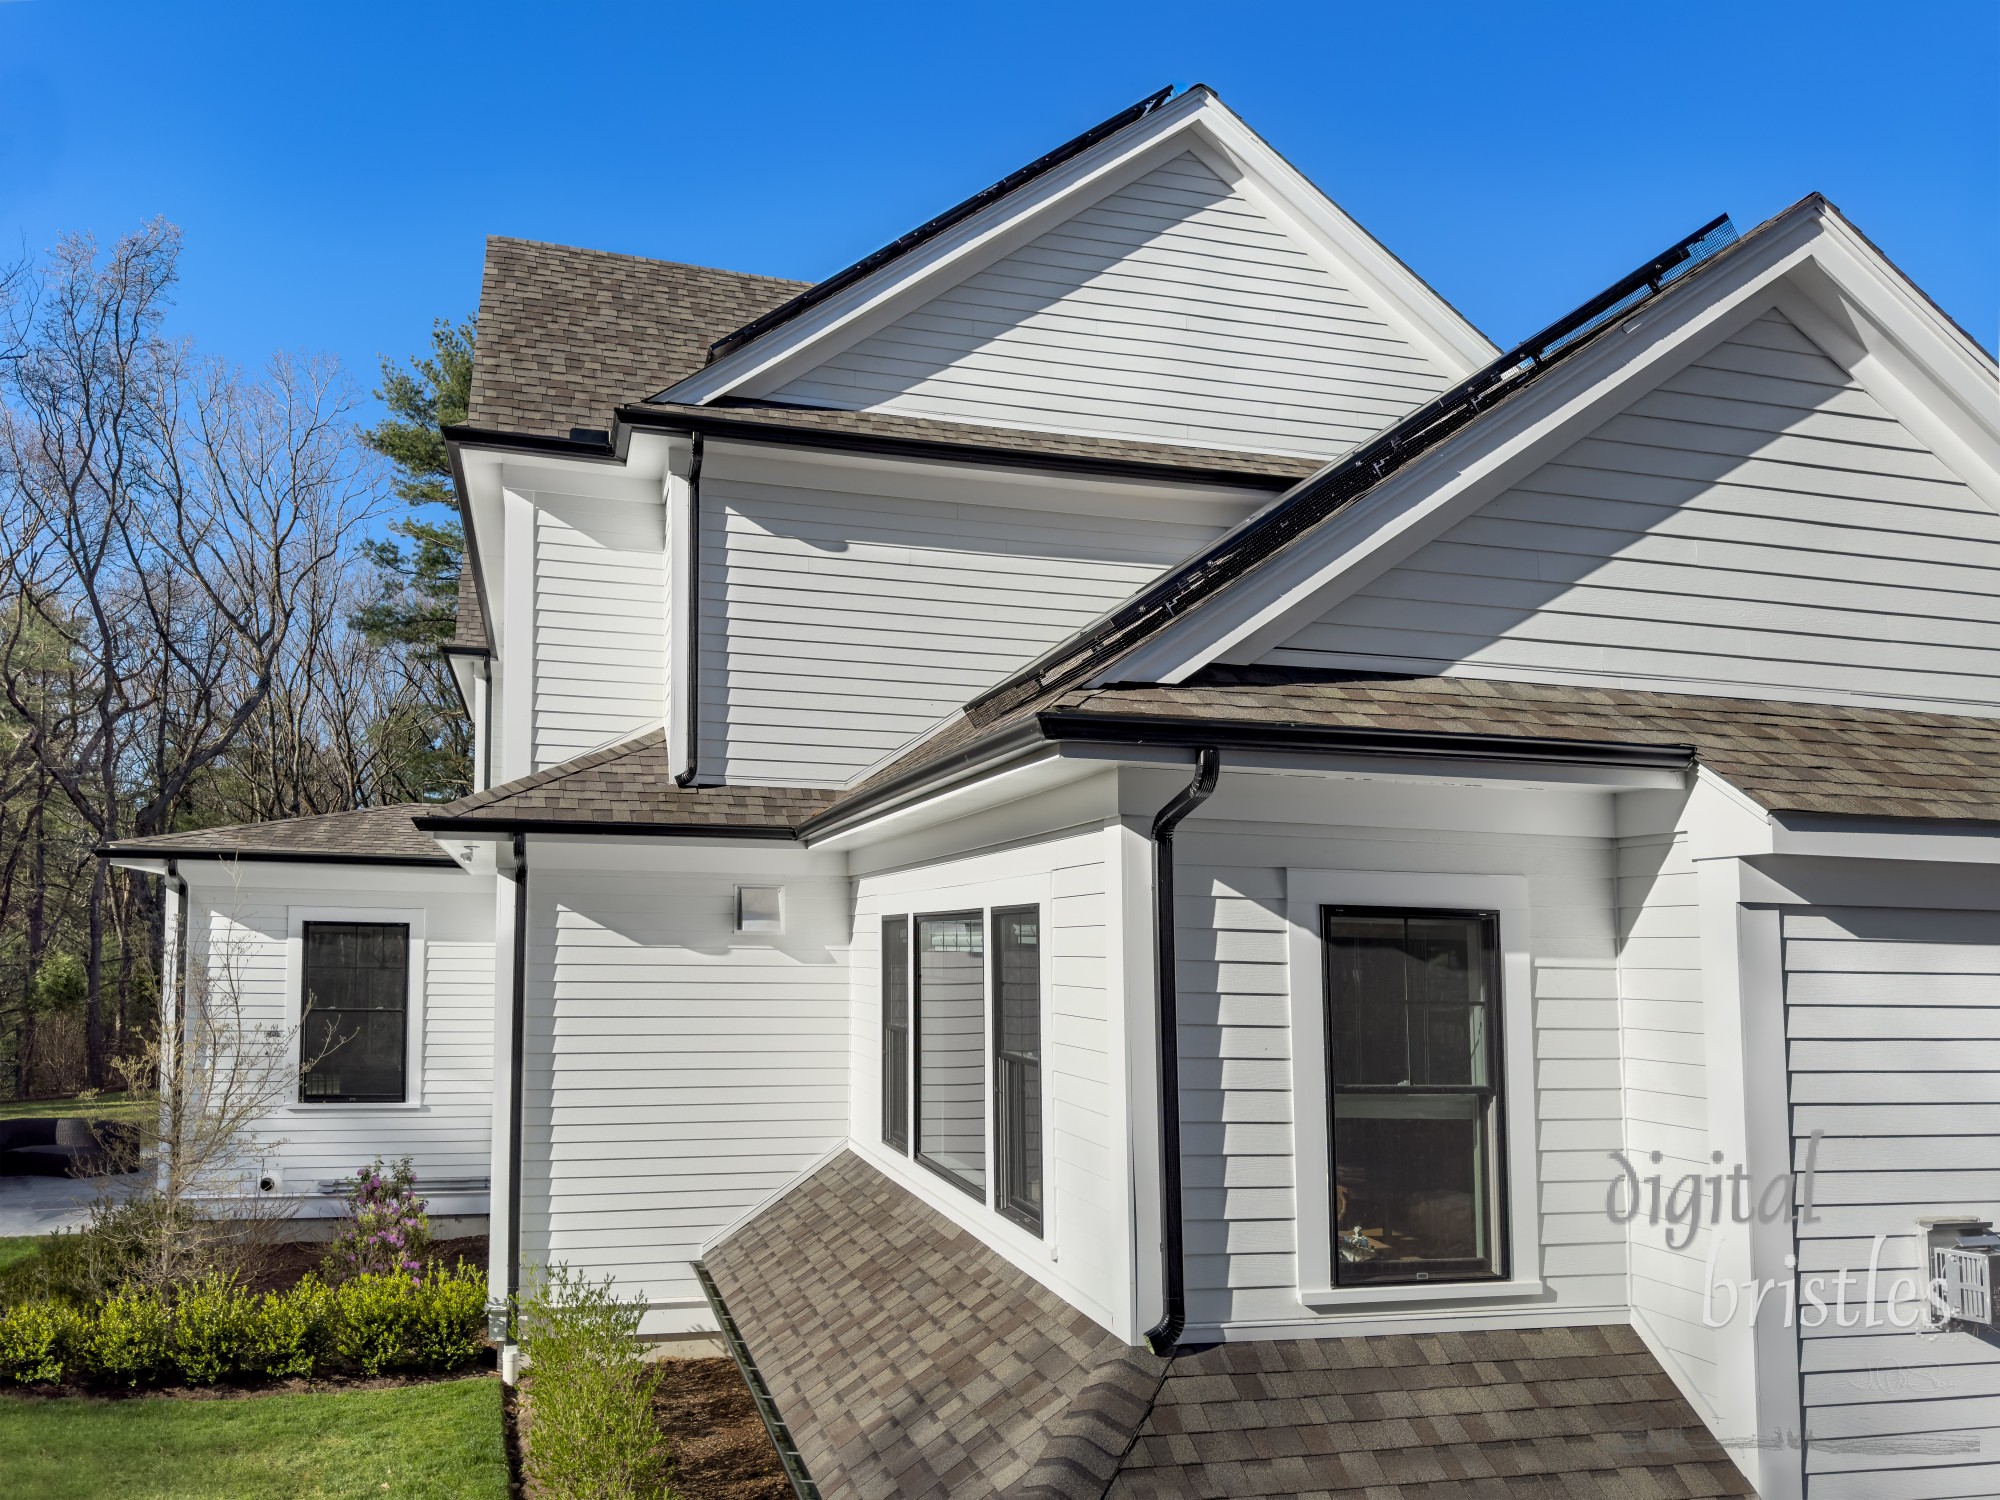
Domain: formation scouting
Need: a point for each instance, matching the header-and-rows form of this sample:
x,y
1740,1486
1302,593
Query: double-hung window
x,y
1413,1070
962,1052
354,1019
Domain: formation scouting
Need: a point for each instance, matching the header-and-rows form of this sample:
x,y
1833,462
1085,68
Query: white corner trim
x,y
1306,891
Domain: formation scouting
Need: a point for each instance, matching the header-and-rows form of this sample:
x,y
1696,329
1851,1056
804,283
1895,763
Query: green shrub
x,y
293,1331
132,1338
392,1323
213,1324
214,1329
40,1340
591,1431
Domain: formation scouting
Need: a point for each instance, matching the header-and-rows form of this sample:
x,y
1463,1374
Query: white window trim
x,y
913,899
296,918
1308,890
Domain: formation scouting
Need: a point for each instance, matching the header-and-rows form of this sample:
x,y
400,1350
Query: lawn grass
x,y
16,1248
109,1105
418,1442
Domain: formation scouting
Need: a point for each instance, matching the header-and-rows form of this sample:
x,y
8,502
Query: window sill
x,y
1337,1299
351,1106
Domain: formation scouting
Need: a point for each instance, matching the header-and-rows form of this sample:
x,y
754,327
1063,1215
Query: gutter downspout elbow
x,y
1162,1337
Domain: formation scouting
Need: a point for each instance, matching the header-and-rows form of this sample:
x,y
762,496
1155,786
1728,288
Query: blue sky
x,y
335,167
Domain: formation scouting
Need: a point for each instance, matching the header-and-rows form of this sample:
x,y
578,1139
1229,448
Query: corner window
x,y
354,1022
951,1048
1413,1068
896,1033
1017,1064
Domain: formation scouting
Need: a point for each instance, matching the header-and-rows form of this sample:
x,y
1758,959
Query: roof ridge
x,y
589,760
644,260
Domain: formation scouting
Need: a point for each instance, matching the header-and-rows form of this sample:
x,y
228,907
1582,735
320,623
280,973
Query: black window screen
x,y
951,1048
1413,1072
1017,1063
896,1032
354,1027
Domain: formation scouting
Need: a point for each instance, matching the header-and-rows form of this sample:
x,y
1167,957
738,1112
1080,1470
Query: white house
x,y
1144,868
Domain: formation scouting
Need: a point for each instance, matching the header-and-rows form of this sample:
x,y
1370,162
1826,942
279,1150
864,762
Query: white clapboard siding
x,y
1085,1151
450,1134
1905,1136
1173,310
1666,1096
836,626
677,1073
600,624
1236,1089
1759,522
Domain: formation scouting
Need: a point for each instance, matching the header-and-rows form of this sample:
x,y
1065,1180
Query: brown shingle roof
x,y
625,787
566,336
1789,757
471,631
371,834
910,1360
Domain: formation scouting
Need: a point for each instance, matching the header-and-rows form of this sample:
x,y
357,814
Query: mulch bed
x,y
283,1266
721,1449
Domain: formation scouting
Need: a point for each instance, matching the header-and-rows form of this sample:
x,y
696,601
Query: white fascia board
x,y
1272,602
485,510
1197,120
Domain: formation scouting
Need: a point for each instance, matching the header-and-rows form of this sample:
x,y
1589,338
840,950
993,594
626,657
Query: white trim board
x,y
1306,891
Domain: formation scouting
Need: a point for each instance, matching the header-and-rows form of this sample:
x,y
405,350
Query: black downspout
x,y
692,708
518,1030
177,913
1173,1281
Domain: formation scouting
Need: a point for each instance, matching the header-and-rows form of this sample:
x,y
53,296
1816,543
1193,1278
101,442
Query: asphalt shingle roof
x,y
566,336
1789,757
370,833
626,786
909,1360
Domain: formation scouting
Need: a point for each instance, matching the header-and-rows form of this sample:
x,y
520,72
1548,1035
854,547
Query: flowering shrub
x,y
214,1329
387,1231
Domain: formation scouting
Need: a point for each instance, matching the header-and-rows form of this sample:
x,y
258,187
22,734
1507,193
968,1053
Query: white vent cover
x,y
760,908
1968,1283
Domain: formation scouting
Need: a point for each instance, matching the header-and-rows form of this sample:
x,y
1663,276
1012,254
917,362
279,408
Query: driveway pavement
x,y
42,1205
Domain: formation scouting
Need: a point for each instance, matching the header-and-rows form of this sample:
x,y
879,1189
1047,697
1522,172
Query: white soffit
x,y
1196,120
1816,268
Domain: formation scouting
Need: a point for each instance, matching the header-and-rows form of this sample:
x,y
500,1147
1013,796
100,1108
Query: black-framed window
x,y
896,1033
950,965
354,1019
1017,1064
1413,1072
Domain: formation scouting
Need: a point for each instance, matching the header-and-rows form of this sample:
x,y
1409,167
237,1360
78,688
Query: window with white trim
x,y
896,1033
354,1013
1414,1094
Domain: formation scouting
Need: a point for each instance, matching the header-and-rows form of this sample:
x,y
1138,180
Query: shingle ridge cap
x,y
535,780
644,260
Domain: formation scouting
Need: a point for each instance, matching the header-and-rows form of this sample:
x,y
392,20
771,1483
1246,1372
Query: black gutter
x,y
839,281
692,707
515,1072
727,421
1148,729
487,828
789,1457
1162,1336
304,857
